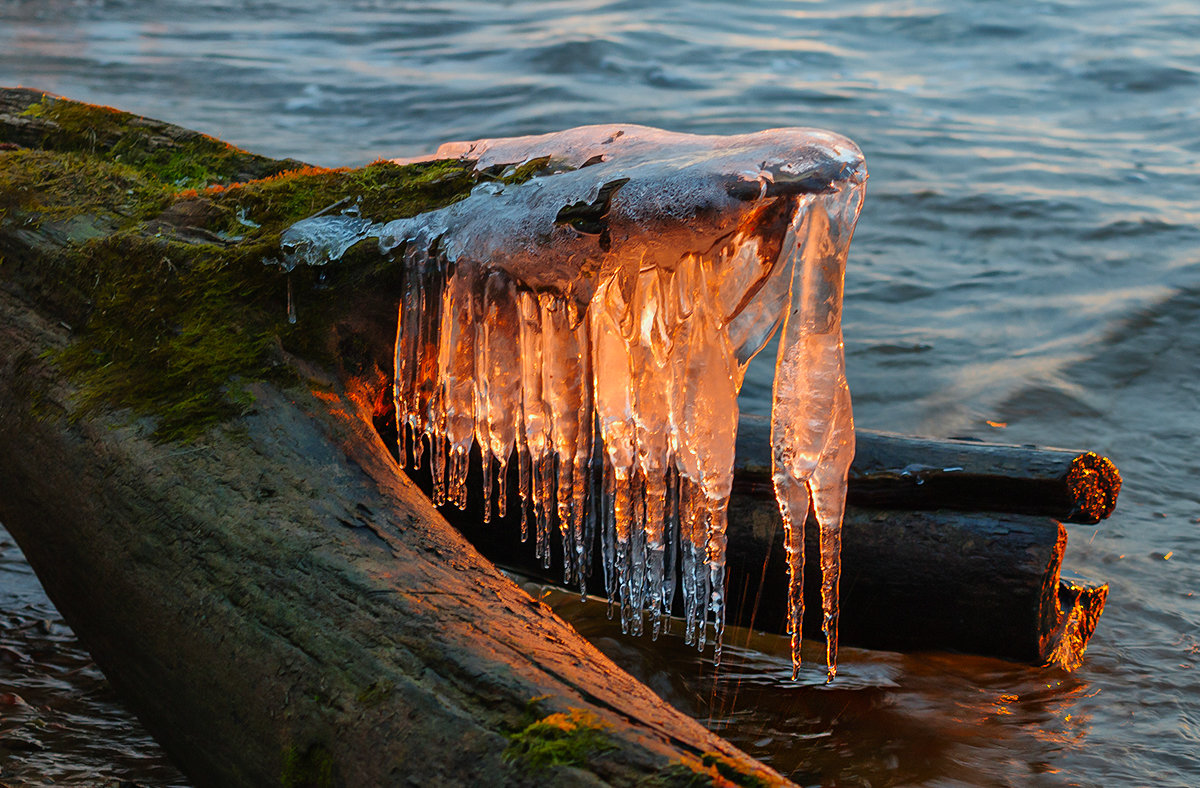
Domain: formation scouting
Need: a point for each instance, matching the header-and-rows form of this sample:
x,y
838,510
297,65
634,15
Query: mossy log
x,y
198,485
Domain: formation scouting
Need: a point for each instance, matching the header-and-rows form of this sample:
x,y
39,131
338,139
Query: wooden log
x,y
976,582
903,472
277,603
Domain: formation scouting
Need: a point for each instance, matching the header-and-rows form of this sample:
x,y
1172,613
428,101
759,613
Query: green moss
x,y
563,739
48,185
381,191
312,768
183,159
523,172
173,330
165,288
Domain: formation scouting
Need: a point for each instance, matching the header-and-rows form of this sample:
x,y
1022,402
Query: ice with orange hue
x,y
595,320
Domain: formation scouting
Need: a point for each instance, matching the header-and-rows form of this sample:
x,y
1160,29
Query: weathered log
x,y
276,603
903,472
1071,486
927,573
976,582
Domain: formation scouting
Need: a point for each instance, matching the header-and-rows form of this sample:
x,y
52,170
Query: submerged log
x,y
976,582
197,484
947,544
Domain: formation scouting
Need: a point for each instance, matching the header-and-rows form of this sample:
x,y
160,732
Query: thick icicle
x,y
596,321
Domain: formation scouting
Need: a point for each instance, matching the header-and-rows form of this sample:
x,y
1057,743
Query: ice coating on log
x,y
594,323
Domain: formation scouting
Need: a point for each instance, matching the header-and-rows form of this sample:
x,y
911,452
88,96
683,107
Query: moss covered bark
x,y
161,275
241,558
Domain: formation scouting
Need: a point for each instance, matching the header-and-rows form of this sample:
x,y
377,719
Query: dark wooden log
x,y
975,582
276,602
903,472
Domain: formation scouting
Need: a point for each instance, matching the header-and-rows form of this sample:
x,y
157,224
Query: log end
x,y
1082,601
1094,483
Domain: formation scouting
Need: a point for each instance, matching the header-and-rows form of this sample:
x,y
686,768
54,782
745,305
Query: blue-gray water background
x,y
1029,255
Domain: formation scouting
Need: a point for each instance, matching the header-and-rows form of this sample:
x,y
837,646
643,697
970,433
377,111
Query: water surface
x,y
1027,257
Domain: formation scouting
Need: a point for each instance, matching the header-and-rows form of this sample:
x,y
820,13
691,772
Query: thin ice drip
x,y
595,322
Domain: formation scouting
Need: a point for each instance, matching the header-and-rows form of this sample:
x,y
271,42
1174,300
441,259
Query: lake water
x,y
1028,256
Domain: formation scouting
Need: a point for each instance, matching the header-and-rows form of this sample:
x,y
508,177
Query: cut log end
x,y
1094,483
1081,601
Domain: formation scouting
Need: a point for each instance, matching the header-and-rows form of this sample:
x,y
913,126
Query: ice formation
x,y
595,321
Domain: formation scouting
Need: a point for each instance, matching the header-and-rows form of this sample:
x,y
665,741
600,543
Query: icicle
x,y
489,483
649,351
569,412
291,302
793,505
670,551
829,503
406,350
536,425
597,323
499,388
714,556
456,363
608,534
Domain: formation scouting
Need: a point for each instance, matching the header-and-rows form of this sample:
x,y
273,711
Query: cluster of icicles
x,y
593,325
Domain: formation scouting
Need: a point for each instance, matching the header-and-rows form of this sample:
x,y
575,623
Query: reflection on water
x,y
888,719
60,722
1025,270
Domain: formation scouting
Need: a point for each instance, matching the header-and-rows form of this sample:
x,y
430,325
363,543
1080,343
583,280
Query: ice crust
x,y
595,322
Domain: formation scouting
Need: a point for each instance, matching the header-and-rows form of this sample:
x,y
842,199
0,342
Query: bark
x,y
903,472
279,604
276,602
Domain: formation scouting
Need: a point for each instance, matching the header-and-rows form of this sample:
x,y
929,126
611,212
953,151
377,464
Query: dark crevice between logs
x,y
978,574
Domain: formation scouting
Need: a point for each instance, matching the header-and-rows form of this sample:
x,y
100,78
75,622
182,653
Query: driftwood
x,y
276,602
903,472
1070,486
977,582
947,544
982,583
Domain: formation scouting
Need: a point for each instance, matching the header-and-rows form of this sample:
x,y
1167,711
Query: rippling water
x,y
1029,255
60,722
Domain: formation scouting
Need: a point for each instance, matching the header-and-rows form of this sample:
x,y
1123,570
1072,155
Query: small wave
x,y
1137,228
1137,77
